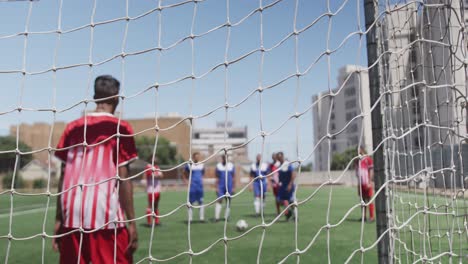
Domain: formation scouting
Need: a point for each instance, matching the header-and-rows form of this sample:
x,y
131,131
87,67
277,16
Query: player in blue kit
x,y
224,170
196,184
259,185
286,175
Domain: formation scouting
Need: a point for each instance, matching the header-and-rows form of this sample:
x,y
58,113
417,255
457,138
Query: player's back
x,y
91,163
285,173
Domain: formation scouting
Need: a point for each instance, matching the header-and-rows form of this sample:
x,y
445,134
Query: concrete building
x,y
424,70
210,140
37,135
348,121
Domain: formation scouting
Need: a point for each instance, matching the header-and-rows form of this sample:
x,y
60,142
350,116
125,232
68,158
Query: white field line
x,y
31,211
42,209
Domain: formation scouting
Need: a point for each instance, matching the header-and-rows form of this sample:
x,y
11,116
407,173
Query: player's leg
x,y
156,198
277,201
149,211
370,193
192,200
218,206
227,212
202,208
257,192
363,197
263,200
69,248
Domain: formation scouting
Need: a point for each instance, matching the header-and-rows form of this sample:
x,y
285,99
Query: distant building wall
x,y
210,140
37,135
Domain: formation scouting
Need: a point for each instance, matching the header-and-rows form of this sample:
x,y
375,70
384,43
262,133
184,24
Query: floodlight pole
x,y
383,246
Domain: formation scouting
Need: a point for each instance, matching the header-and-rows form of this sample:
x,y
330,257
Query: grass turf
x,y
171,238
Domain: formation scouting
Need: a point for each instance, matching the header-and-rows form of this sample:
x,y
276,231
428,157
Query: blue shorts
x,y
196,196
257,185
222,189
284,195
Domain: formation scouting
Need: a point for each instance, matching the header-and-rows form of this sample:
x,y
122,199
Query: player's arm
x,y
126,202
252,175
58,211
159,173
268,179
217,173
371,176
186,175
233,180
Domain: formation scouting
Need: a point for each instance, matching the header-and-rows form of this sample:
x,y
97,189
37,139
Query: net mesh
x,y
422,66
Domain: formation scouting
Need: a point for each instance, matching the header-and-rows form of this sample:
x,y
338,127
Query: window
x,y
332,126
333,147
350,115
350,91
236,135
353,128
350,104
353,141
332,116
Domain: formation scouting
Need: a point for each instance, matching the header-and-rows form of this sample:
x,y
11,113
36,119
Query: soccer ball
x,y
241,225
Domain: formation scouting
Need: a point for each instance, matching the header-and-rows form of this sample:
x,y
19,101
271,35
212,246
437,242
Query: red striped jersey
x,y
153,185
90,197
362,171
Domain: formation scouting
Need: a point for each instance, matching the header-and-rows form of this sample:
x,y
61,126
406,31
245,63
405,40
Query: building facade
x,y
209,141
344,115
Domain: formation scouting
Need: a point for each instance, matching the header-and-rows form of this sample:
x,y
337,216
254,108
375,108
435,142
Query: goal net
x,y
362,103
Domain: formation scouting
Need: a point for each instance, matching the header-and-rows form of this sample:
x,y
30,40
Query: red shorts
x,y
366,192
153,197
97,247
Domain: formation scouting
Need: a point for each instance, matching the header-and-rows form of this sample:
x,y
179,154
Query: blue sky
x,y
71,85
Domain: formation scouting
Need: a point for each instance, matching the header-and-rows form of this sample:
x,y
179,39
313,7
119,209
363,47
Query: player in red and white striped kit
x,y
274,165
153,188
365,174
94,149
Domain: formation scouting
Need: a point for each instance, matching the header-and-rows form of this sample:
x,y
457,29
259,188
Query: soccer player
x,y
257,169
274,165
196,184
286,175
225,173
365,174
94,149
153,188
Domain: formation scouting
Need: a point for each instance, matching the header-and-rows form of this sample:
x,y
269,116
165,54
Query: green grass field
x,y
171,238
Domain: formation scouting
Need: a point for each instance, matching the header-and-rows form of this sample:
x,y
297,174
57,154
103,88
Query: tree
x,y
165,151
306,167
7,160
8,178
341,160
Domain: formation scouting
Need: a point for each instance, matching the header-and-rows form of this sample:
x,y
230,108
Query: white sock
x,y
190,214
202,214
257,205
263,204
218,208
227,213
